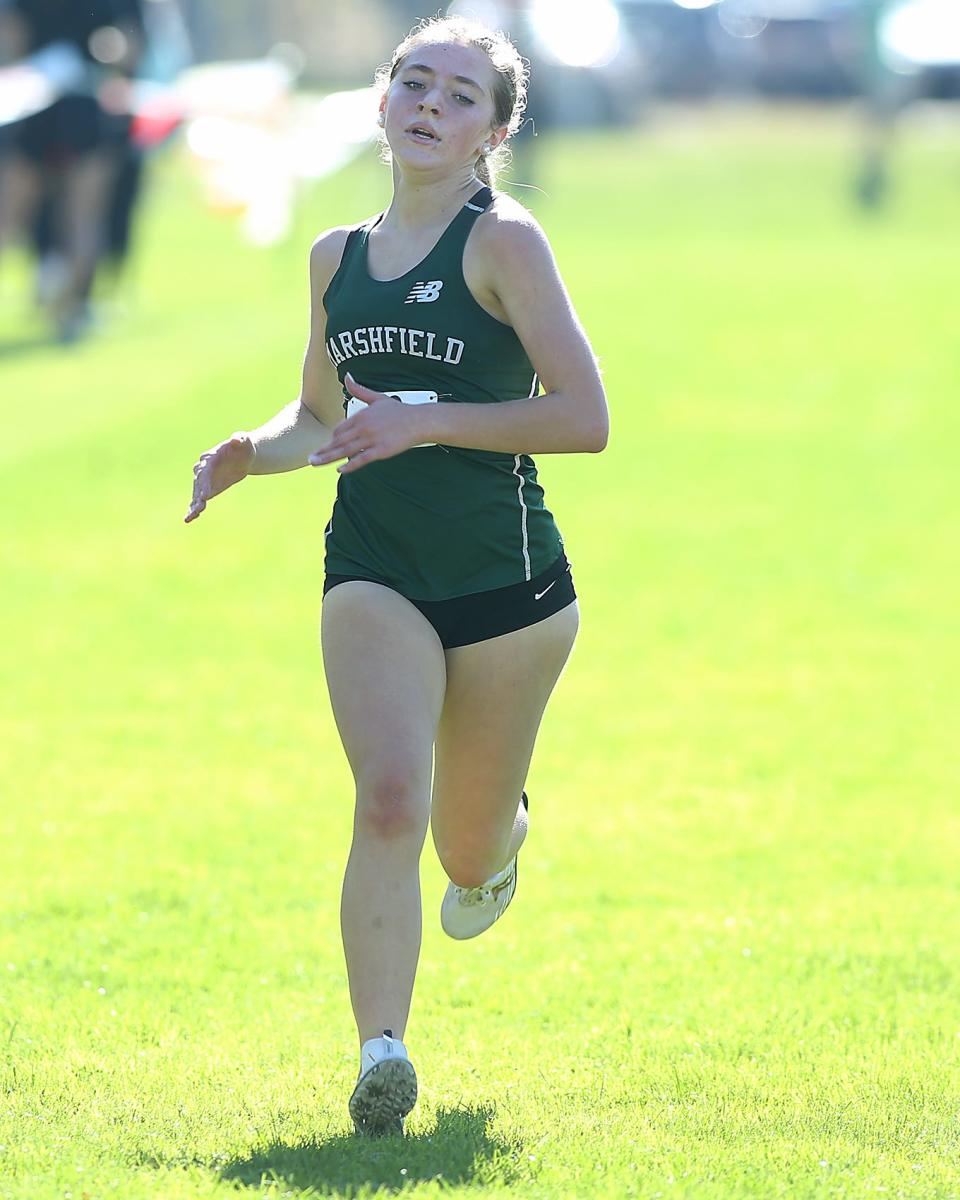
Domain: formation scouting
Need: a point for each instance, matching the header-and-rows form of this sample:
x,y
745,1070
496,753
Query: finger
x,y
361,459
338,448
357,389
201,485
354,422
201,493
204,460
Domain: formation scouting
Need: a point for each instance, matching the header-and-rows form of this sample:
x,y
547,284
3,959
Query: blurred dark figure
x,y
886,94
61,165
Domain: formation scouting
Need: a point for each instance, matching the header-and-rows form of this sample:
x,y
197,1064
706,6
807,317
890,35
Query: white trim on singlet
x,y
523,504
523,517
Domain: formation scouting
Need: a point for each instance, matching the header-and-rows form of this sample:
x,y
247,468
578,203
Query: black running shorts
x,y
69,129
463,620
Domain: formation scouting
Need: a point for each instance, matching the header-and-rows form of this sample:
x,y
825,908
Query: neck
x,y
421,202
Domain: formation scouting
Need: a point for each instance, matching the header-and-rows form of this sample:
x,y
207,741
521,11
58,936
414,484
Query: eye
x,y
412,83
463,99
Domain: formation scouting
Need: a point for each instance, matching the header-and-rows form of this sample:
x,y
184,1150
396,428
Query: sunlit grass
x,y
731,970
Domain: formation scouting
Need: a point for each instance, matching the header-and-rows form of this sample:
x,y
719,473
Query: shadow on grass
x,y
25,345
458,1150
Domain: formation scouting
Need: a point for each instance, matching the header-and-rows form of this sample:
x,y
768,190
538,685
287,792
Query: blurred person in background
x,y
885,94
62,162
165,52
910,52
449,610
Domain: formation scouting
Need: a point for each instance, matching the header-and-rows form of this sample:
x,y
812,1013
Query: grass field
x,y
732,969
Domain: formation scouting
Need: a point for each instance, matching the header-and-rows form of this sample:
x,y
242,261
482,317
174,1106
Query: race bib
x,y
405,397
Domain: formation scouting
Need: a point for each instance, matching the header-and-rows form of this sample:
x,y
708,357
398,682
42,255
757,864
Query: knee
x,y
390,807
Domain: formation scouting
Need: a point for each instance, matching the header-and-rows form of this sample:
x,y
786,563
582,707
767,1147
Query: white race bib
x,y
405,397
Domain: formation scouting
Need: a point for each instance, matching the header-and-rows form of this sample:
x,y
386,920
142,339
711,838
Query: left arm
x,y
517,271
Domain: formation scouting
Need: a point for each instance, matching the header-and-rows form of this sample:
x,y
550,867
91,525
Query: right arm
x,y
285,441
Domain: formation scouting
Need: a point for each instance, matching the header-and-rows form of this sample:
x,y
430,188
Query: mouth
x,y
422,133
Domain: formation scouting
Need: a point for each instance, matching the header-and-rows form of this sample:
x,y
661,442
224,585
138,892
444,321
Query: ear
x,y
496,138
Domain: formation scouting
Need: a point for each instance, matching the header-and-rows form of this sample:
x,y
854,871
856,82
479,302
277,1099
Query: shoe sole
x,y
383,1097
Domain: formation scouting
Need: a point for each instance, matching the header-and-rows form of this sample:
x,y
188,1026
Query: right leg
x,y
386,675
19,189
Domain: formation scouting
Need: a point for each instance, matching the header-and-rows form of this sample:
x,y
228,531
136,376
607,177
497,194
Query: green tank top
x,y
436,521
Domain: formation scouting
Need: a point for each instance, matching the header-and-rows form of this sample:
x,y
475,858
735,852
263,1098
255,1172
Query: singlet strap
x,y
351,241
480,201
355,233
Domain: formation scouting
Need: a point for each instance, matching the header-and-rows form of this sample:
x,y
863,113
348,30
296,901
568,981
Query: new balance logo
x,y
425,293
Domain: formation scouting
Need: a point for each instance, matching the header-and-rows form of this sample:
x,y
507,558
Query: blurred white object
x,y
921,33
34,84
741,18
237,89
255,141
62,65
328,132
565,36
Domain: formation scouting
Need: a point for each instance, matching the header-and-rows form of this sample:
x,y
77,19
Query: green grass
x,y
732,968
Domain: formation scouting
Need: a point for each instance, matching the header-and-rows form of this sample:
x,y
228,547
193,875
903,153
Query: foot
x,y
73,322
467,912
386,1089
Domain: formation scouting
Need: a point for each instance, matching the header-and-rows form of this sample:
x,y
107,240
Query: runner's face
x,y
439,107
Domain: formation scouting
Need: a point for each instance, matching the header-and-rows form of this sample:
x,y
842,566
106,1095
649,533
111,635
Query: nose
x,y
428,101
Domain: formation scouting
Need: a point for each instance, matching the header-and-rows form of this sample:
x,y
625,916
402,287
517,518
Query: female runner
x,y
443,352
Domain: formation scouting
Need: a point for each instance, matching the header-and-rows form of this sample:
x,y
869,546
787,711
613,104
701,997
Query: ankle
x,y
380,1046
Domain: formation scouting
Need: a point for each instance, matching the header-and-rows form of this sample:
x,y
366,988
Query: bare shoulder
x,y
507,253
325,255
507,230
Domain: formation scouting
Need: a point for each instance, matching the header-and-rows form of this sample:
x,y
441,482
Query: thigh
x,y
19,190
86,187
496,694
386,674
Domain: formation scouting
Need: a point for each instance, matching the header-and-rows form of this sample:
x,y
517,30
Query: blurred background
x,y
261,101
748,774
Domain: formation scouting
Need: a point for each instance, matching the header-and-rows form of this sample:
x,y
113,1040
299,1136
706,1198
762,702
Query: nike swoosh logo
x,y
540,595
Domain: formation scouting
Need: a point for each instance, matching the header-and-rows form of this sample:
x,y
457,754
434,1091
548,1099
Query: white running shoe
x,y
386,1089
467,912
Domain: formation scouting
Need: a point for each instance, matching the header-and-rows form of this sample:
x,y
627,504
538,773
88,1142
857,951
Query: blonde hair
x,y
511,73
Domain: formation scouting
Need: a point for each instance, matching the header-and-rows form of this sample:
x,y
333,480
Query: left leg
x,y
496,694
86,186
